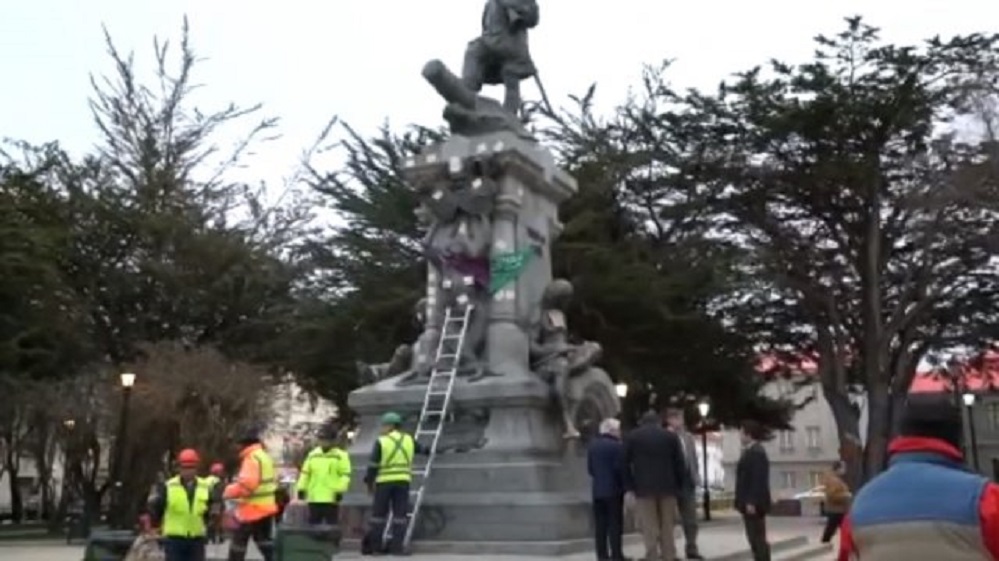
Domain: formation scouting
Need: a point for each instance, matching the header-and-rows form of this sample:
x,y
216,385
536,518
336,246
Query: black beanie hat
x,y
933,415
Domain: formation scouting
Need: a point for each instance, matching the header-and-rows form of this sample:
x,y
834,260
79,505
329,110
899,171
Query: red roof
x,y
984,377
978,378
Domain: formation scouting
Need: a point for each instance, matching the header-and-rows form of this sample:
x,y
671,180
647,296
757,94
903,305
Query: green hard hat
x,y
391,418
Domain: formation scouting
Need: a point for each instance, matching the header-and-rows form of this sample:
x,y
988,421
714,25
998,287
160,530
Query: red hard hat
x,y
188,458
217,468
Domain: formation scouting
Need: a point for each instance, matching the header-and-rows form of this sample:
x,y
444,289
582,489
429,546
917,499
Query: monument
x,y
510,475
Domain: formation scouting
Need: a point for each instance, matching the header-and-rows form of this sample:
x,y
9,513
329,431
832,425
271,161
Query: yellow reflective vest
x,y
324,475
264,494
395,463
184,513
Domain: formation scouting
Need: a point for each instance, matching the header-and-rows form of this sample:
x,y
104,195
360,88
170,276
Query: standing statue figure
x,y
501,54
553,357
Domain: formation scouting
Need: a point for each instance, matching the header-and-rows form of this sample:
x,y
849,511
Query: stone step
x,y
778,547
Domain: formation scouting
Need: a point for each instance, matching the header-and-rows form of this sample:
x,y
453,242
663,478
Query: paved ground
x,y
716,541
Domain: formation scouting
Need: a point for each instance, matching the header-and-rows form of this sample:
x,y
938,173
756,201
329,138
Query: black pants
x,y
756,535
324,513
608,526
260,531
833,520
184,549
389,497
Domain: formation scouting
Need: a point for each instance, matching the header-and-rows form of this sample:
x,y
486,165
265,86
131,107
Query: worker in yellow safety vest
x,y
254,496
182,509
389,474
324,478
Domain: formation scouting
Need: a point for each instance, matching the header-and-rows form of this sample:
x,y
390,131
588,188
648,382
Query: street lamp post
x,y
127,381
969,401
704,408
621,389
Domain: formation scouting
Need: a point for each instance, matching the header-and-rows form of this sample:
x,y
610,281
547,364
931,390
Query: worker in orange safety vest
x,y
252,496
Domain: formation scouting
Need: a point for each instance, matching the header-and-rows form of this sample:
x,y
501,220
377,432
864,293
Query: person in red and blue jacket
x,y
927,504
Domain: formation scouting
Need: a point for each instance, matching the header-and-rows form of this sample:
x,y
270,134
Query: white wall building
x,y
716,469
797,457
296,416
28,482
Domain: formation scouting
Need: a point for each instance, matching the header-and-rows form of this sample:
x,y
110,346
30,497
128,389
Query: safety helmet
x,y
217,468
188,458
391,418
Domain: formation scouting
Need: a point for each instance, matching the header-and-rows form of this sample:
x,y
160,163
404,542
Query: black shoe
x,y
693,555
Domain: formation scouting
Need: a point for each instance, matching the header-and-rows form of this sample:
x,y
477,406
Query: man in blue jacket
x,y
927,504
605,463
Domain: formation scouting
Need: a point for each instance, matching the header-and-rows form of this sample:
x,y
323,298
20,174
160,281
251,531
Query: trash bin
x,y
109,545
306,543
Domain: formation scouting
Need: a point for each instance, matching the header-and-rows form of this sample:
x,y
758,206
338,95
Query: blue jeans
x,y
184,549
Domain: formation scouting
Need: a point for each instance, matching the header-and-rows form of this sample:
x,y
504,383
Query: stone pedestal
x,y
529,187
504,479
503,473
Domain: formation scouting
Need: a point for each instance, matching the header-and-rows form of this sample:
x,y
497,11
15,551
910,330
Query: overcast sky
x,y
307,60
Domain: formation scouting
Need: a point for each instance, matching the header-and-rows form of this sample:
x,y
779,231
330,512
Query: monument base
x,y
503,473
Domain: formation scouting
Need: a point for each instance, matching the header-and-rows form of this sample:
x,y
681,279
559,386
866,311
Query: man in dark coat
x,y
605,463
656,470
752,488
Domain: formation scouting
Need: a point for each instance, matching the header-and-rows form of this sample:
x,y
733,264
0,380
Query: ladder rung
x,y
438,392
425,431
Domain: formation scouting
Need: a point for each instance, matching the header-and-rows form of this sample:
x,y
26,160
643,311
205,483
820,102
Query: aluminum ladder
x,y
436,402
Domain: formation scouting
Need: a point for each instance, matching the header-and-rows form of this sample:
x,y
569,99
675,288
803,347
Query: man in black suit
x,y
752,488
653,458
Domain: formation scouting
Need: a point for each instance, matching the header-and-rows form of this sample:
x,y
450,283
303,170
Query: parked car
x,y
812,501
817,492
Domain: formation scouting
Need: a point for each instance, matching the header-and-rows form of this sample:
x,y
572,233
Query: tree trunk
x,y
848,426
879,428
12,464
16,501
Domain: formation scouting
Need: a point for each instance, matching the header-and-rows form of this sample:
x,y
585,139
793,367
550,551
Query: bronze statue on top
x,y
500,55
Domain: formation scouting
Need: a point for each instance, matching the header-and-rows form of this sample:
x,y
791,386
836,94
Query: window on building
x,y
787,480
786,441
812,437
815,478
993,412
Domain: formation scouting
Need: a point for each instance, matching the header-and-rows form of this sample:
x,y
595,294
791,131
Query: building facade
x,y
797,457
984,413
295,418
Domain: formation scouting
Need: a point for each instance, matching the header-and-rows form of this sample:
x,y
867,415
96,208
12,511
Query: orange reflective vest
x,y
255,486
